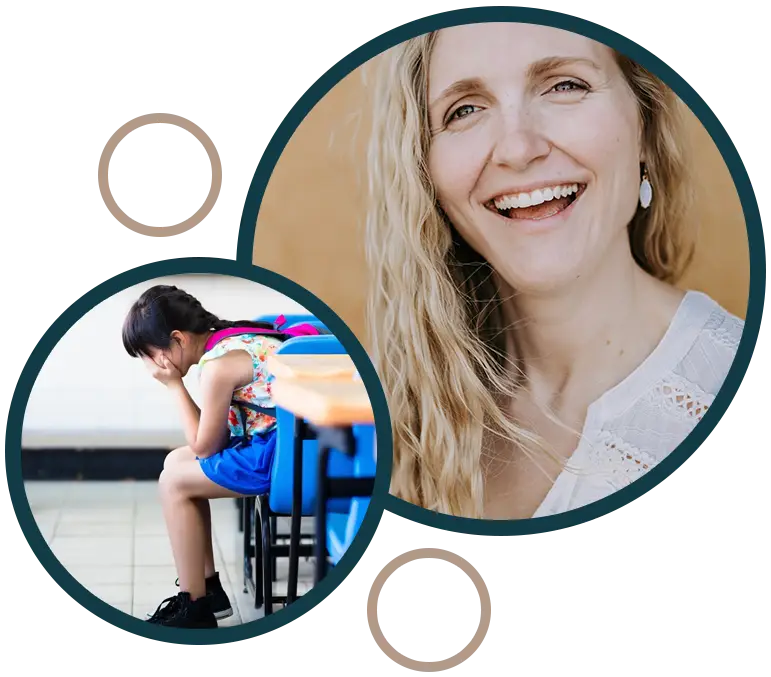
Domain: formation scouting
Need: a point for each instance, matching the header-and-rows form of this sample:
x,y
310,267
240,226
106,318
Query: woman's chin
x,y
541,280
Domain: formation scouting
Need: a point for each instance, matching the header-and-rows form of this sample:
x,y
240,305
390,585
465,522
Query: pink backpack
x,y
303,329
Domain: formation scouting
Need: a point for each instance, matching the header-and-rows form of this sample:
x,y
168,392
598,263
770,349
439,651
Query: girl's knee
x,y
164,478
175,456
169,482
175,482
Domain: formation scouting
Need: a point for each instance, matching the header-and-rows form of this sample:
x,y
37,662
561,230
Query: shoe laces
x,y
167,607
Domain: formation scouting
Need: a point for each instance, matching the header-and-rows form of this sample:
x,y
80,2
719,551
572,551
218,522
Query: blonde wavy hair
x,y
435,316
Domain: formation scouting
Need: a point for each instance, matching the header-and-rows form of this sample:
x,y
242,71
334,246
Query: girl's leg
x,y
208,554
182,455
184,492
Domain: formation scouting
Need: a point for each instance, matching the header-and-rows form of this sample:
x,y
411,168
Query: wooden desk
x,y
324,402
311,366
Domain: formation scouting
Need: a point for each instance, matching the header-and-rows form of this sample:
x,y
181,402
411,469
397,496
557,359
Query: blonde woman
x,y
529,197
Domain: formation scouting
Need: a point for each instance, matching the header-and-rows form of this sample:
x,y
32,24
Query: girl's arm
x,y
206,429
188,409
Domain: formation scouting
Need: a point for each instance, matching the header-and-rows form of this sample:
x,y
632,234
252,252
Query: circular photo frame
x,y
21,503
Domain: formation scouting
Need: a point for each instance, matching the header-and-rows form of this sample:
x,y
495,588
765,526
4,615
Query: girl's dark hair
x,y
163,309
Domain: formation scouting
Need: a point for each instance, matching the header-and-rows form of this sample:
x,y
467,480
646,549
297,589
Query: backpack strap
x,y
268,411
222,334
239,407
304,329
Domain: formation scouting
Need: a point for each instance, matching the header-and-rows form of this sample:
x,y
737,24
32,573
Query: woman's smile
x,y
539,205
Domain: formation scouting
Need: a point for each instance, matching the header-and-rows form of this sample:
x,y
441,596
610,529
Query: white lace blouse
x,y
636,424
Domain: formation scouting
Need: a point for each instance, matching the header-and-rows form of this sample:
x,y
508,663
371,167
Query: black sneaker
x,y
165,609
218,599
182,612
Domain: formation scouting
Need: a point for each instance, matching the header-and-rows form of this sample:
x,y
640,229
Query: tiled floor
x,y
112,538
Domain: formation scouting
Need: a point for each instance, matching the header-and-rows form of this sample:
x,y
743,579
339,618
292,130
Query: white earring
x,y
646,191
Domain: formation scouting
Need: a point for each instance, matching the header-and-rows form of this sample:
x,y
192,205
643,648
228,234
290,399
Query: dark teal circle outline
x,y
721,139
14,436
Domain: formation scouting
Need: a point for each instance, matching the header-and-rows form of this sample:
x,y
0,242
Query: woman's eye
x,y
568,87
462,112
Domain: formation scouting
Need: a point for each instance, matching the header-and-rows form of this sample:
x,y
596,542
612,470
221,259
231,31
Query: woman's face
x,y
517,111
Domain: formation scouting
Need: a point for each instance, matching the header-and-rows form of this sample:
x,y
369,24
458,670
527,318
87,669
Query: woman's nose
x,y
519,139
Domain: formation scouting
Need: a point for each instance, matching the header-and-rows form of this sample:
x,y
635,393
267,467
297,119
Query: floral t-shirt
x,y
257,392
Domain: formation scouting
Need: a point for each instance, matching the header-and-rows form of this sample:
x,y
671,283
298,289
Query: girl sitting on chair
x,y
230,439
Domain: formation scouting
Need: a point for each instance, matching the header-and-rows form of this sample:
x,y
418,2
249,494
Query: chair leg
x,y
240,506
267,555
258,556
274,560
246,528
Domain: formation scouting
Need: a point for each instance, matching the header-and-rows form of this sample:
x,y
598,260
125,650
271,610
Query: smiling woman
x,y
529,192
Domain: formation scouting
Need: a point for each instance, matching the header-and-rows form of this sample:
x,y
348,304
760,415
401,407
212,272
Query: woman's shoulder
x,y
720,327
715,334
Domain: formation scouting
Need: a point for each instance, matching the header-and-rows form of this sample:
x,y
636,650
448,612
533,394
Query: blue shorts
x,y
244,465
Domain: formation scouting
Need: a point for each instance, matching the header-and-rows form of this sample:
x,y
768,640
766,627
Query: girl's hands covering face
x,y
163,370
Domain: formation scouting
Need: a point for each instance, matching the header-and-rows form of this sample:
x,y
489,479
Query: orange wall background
x,y
311,222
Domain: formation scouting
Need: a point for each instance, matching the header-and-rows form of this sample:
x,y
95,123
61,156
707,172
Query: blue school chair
x,y
278,502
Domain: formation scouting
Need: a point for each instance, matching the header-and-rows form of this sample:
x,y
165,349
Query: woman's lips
x,y
545,210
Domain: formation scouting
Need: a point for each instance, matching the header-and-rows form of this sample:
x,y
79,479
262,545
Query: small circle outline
x,y
448,557
199,215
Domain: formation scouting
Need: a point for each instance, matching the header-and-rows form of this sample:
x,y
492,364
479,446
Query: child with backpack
x,y
230,439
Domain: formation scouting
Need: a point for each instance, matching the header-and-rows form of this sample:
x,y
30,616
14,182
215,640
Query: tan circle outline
x,y
446,663
104,182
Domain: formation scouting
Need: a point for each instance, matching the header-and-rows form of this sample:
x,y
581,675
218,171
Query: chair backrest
x,y
323,344
280,499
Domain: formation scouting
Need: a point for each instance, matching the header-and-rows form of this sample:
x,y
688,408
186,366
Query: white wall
x,y
91,393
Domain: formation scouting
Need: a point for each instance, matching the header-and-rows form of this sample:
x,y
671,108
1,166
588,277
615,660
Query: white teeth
x,y
536,197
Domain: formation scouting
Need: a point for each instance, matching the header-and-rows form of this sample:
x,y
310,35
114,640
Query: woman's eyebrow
x,y
534,70
459,88
550,63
